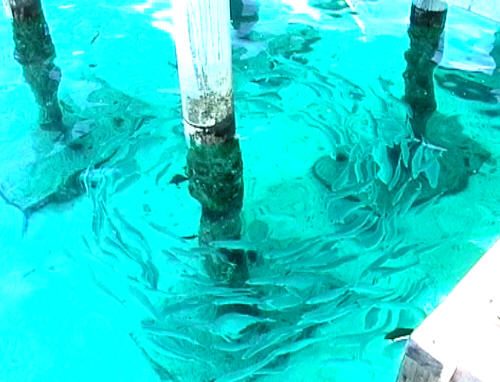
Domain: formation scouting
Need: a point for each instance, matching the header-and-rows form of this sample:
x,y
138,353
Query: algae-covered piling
x,y
427,22
36,53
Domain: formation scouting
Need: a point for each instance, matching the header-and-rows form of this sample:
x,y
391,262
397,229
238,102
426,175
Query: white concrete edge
x,y
463,333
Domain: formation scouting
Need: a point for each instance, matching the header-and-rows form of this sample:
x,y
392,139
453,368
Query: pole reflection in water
x,y
426,33
35,51
216,181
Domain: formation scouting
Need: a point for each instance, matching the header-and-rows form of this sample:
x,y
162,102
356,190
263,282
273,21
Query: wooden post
x,y
204,58
427,22
215,166
35,52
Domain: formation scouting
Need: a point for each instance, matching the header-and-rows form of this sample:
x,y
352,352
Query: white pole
x,y
204,59
6,7
431,5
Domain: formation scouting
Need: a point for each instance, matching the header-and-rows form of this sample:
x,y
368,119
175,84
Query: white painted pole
x,y
431,5
204,59
6,7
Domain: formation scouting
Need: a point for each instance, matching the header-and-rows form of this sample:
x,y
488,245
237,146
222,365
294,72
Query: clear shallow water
x,y
113,284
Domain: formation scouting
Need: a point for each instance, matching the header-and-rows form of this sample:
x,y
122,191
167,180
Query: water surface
x,y
342,223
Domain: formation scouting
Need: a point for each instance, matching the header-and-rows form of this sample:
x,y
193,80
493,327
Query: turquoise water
x,y
105,271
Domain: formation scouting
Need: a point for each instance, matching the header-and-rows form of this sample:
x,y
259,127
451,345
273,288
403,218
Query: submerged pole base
x,y
45,172
216,181
35,51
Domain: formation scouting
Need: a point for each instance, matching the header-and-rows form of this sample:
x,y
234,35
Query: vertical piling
x,y
203,43
427,22
35,51
215,166
216,181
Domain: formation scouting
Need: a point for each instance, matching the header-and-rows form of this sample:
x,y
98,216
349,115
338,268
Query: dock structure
x,y
204,59
63,141
80,137
215,165
460,340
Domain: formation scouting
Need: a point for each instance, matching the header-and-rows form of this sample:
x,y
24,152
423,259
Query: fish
x,y
245,373
322,315
291,282
162,172
178,353
231,325
94,39
191,237
178,179
416,164
269,339
399,334
296,346
327,297
280,302
381,158
231,347
151,326
145,301
236,300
